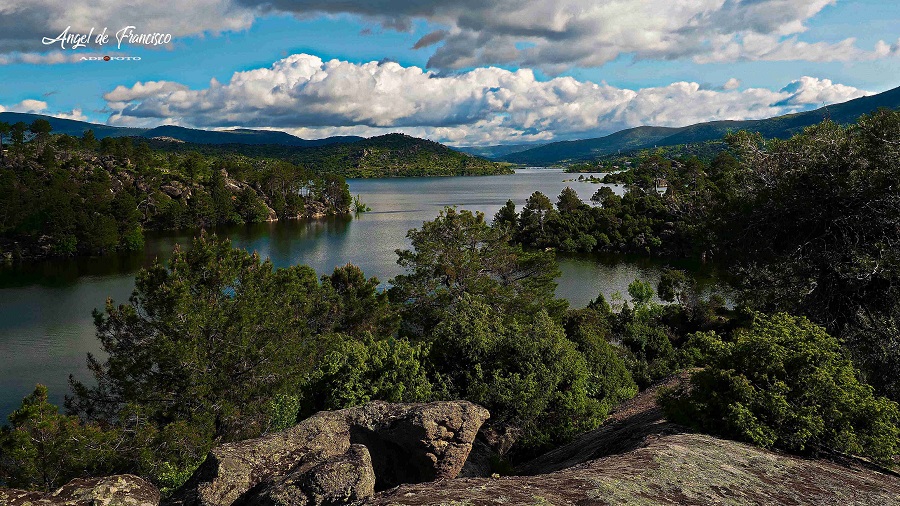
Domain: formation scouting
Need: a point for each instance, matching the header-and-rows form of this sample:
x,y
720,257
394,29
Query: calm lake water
x,y
46,328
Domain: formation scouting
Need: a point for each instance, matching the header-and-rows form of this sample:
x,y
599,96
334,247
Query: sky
x,y
466,72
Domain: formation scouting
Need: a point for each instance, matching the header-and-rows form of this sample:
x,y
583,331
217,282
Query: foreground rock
x,y
336,457
639,458
122,490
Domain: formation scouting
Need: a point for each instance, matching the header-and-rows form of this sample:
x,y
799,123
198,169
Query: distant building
x,y
661,185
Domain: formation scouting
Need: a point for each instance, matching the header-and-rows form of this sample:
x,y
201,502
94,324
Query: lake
x,y
46,328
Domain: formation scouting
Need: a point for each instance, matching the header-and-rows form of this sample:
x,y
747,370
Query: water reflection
x,y
45,307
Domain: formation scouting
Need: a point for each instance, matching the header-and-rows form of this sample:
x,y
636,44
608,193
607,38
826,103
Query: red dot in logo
x,y
106,58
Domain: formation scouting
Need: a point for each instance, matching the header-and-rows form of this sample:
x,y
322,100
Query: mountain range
x,y
562,152
193,135
644,137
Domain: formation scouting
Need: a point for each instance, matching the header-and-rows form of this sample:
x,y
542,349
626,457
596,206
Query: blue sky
x,y
497,72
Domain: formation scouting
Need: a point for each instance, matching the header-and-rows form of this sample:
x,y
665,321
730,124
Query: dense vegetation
x,y
784,382
217,345
61,195
806,225
392,155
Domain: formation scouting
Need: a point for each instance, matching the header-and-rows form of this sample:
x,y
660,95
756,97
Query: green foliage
x,y
359,206
458,254
529,376
358,303
283,409
203,340
591,331
785,383
634,223
641,292
352,372
806,225
813,230
44,449
90,197
534,221
392,155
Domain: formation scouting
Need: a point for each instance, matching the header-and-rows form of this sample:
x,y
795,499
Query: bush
x,y
785,383
610,381
43,449
353,372
529,376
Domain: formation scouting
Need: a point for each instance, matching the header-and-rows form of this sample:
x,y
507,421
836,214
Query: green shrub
x,y
43,449
785,383
283,411
352,372
529,376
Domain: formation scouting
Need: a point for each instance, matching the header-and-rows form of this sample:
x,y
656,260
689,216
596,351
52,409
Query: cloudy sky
x,y
467,72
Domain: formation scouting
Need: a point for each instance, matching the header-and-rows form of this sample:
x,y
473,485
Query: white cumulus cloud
x,y
28,105
315,98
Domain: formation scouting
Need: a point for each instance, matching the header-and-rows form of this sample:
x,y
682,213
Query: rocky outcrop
x,y
338,480
638,457
677,469
335,457
121,490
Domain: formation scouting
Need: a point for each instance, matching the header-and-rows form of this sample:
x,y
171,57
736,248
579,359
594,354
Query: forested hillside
x,y
646,137
392,155
62,195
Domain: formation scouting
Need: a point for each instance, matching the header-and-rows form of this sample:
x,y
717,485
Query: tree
x,y
249,207
67,143
676,286
355,371
785,383
204,341
332,189
88,140
569,201
506,218
457,254
591,330
641,292
533,380
5,129
41,128
42,449
360,306
17,134
194,167
534,221
814,232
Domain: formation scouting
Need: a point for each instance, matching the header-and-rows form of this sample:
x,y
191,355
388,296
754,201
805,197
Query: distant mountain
x,y
391,155
72,127
498,151
644,137
240,136
193,135
591,148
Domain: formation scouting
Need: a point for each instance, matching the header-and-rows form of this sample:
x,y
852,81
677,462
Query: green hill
x,y
72,127
648,137
391,155
497,151
194,135
239,136
587,149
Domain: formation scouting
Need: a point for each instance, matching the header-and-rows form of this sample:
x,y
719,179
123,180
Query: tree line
x,y
62,195
808,225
